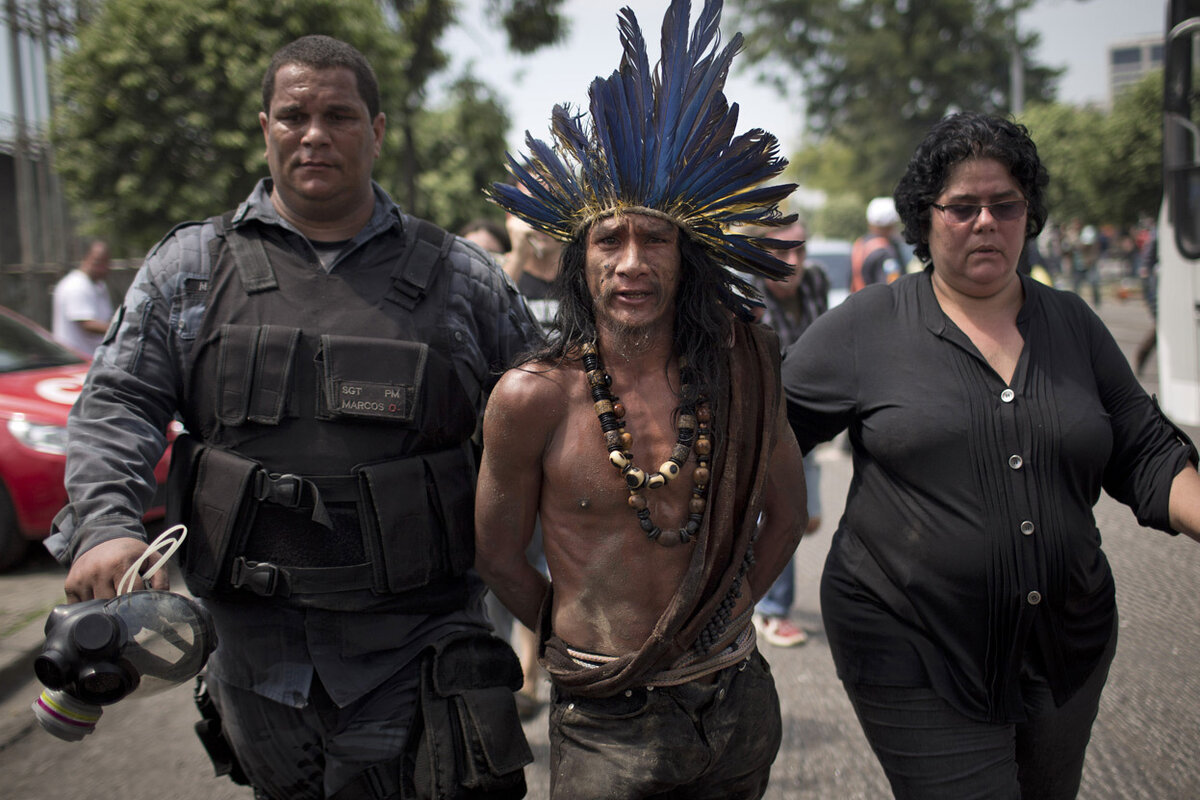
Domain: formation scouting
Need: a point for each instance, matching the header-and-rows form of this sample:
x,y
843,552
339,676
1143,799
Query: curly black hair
x,y
961,137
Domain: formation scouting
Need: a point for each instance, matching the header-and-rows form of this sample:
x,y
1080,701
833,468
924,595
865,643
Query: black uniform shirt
x,y
968,545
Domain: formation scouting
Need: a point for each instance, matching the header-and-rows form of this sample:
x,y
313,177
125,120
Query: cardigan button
x,y
1016,462
1027,528
1034,598
1008,395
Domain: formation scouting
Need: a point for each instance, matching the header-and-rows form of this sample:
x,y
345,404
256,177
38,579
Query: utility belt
x,y
464,741
400,530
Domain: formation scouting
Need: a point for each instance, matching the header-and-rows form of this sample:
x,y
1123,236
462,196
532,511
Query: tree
x,y
1131,185
157,103
879,73
450,141
1104,168
1066,139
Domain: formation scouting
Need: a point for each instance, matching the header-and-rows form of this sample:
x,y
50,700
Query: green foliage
x,y
530,24
1131,186
825,165
463,146
158,104
1066,142
842,216
879,73
1104,168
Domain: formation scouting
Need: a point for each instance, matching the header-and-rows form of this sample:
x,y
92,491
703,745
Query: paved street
x,y
1144,746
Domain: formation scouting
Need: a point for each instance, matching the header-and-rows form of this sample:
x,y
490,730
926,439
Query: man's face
x,y
97,263
321,141
632,270
795,258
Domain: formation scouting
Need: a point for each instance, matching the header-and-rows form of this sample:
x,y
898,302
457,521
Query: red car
x,y
39,382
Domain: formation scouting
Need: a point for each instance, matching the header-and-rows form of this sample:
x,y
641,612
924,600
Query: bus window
x,y
1181,135
1178,239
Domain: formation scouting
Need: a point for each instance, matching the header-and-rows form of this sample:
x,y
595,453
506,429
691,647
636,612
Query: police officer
x,y
328,355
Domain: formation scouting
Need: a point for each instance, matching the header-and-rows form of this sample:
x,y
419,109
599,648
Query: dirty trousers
x,y
712,738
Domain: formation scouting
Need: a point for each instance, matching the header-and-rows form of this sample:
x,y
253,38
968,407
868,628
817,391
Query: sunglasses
x,y
962,213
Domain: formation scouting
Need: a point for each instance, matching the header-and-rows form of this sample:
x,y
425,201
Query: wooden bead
x,y
680,453
612,440
697,505
687,422
671,538
618,459
626,440
704,414
703,446
619,409
603,407
634,478
637,502
700,476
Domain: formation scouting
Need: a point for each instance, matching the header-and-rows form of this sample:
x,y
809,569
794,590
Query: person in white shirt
x,y
82,304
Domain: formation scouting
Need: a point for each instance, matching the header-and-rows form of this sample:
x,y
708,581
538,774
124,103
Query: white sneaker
x,y
779,631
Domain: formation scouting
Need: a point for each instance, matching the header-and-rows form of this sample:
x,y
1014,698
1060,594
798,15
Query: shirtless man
x,y
649,436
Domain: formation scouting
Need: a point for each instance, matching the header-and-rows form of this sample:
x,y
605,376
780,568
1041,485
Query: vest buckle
x,y
259,577
285,489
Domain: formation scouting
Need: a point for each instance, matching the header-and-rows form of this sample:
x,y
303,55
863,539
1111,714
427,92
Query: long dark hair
x,y
702,322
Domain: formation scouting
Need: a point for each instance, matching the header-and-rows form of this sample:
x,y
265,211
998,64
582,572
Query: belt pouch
x,y
422,512
219,512
467,740
408,547
373,379
235,370
255,373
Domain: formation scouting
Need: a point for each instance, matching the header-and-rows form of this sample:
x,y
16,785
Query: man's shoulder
x,y
184,241
72,280
538,379
534,394
464,256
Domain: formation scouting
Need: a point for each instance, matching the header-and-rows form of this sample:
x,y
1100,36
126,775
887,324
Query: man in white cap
x,y
875,258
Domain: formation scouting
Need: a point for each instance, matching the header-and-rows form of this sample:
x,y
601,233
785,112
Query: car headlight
x,y
39,436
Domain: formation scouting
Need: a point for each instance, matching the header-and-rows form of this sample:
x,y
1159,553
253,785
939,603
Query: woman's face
x,y
978,257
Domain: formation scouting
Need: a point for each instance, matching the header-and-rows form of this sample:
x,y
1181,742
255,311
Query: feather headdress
x,y
661,143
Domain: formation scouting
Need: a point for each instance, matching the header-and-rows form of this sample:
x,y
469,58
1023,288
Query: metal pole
x,y
55,219
22,167
1016,69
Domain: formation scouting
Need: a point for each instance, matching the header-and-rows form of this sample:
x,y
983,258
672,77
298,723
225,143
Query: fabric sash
x,y
745,440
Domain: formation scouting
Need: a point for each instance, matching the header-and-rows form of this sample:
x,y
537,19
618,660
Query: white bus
x,y
1179,220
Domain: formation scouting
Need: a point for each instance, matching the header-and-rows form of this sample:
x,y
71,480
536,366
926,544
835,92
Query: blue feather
x,y
662,138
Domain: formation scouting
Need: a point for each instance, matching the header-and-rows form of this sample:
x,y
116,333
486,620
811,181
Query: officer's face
x,y
321,141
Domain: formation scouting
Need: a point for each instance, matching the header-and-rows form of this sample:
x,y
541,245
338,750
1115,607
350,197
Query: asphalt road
x,y
1144,745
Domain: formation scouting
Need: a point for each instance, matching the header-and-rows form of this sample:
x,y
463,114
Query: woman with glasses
x,y
967,602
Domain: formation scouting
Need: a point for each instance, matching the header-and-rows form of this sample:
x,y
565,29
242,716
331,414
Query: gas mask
x,y
99,651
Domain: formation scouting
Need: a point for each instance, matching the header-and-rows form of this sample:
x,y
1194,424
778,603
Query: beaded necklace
x,y
693,431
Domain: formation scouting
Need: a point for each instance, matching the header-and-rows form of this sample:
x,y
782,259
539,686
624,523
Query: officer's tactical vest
x,y
329,459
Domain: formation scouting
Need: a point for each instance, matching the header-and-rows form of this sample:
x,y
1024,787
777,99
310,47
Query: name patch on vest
x,y
379,400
